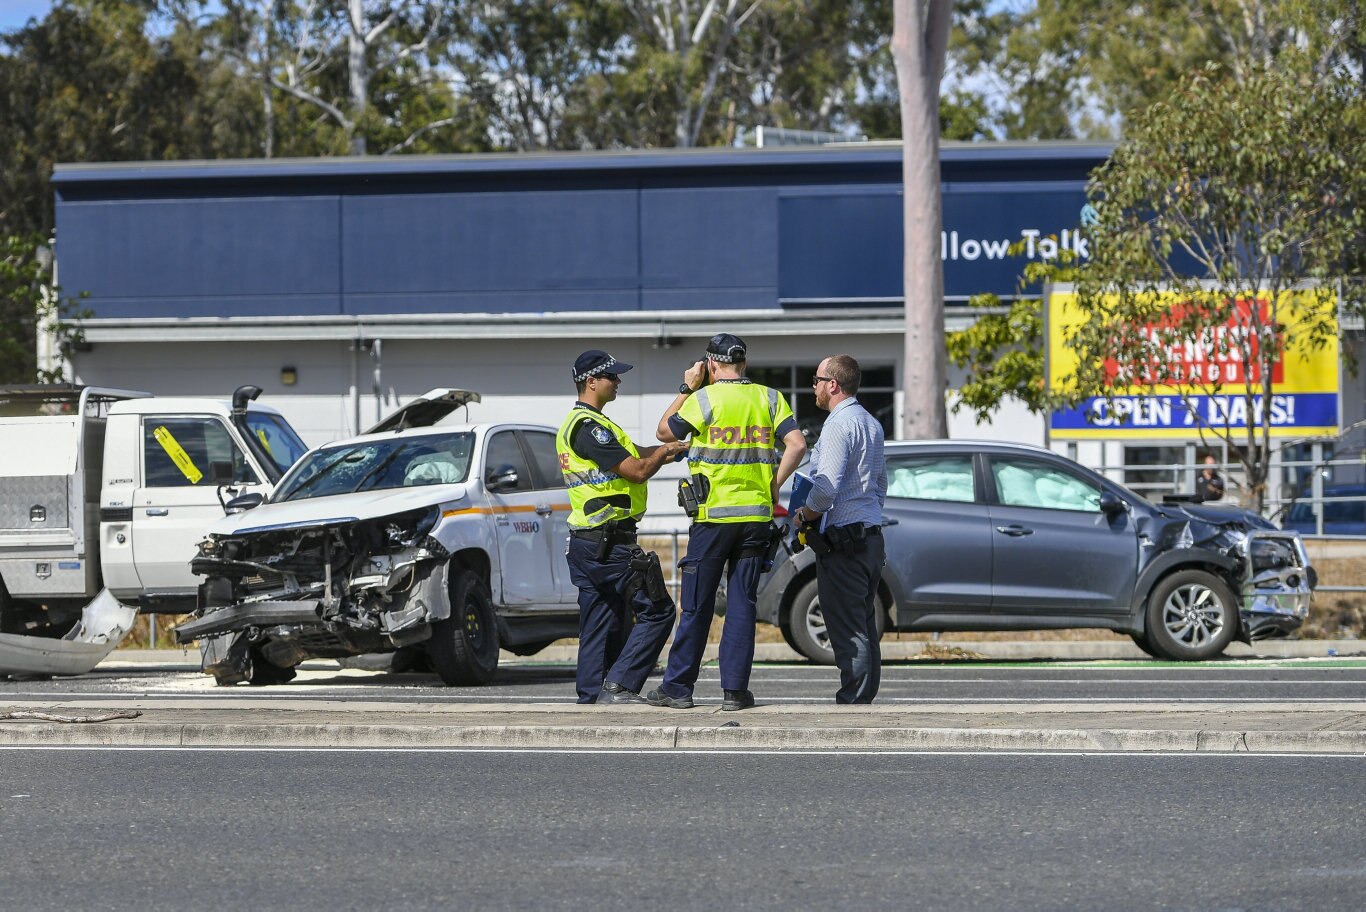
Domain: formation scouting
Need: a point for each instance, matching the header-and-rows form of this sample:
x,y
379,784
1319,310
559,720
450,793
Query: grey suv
x,y
995,536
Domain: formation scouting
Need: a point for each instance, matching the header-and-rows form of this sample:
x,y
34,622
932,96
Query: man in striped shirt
x,y
849,485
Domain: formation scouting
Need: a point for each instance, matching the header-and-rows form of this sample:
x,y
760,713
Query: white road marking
x,y
351,696
680,752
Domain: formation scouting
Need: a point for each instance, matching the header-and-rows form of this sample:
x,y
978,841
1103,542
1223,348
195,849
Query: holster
x,y
809,535
646,573
692,493
609,532
775,541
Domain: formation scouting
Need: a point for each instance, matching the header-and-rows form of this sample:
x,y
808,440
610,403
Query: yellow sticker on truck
x,y
182,459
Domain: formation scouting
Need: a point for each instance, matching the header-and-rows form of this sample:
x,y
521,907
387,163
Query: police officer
x,y
848,487
606,474
735,426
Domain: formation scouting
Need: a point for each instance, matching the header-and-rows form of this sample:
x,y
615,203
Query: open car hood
x,y
426,410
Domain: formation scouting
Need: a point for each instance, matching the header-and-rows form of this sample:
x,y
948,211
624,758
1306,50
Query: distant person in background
x,y
1209,485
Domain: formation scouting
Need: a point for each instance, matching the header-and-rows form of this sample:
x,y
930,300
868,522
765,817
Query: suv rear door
x,y
1054,552
553,507
940,545
520,522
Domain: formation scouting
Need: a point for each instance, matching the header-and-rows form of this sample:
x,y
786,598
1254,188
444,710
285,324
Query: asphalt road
x,y
1252,681
364,830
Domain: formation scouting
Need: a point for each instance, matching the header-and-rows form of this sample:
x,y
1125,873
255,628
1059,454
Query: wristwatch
x,y
685,389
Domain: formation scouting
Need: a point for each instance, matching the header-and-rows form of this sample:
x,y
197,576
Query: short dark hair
x,y
844,370
581,385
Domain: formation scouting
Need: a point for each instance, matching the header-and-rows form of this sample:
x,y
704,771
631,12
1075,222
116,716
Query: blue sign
x,y
1307,413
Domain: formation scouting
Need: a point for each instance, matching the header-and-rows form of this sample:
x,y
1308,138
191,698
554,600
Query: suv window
x,y
1024,482
547,461
177,452
931,477
504,450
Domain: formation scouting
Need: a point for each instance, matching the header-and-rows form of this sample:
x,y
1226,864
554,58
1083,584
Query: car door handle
x,y
158,511
544,509
1014,531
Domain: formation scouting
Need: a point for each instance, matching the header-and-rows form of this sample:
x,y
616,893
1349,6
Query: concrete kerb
x,y
668,737
892,650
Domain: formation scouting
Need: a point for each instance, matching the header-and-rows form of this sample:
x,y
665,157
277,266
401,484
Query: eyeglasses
x,y
817,380
614,378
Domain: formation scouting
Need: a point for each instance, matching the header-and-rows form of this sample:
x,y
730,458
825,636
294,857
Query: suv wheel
x,y
1192,615
804,625
264,672
464,647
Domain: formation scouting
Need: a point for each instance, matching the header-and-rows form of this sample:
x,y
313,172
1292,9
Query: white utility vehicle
x,y
440,544
104,497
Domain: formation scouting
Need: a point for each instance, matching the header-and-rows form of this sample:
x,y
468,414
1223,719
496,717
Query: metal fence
x,y
1318,497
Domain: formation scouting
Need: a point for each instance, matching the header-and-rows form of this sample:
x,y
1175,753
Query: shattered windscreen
x,y
374,465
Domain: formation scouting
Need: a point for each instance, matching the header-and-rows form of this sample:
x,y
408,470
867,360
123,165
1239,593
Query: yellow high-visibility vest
x,y
734,447
596,495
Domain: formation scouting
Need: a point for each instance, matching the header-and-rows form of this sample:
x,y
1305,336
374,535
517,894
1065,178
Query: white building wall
x,y
524,380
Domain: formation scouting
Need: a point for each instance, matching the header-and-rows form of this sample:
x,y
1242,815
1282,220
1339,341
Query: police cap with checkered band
x,y
595,363
726,348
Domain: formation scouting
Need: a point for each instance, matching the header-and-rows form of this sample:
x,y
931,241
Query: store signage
x,y
1195,384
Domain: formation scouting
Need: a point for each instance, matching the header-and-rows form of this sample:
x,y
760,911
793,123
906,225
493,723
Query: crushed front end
x,y
1269,569
1277,584
273,597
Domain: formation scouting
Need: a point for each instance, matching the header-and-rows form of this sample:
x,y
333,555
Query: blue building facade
x,y
626,233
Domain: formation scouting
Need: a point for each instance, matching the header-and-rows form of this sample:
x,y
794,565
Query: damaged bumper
x,y
1278,586
329,591
103,625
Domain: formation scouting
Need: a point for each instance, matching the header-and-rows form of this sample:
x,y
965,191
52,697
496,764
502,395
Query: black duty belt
x,y
867,530
597,535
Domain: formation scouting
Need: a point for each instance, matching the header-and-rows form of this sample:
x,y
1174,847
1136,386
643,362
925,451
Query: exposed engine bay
x,y
341,587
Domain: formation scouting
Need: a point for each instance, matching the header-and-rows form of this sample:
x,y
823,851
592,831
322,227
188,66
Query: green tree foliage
x,y
1234,188
1081,68
28,301
1003,350
87,84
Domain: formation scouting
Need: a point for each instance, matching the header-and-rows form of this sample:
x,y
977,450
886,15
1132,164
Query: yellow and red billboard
x,y
1198,383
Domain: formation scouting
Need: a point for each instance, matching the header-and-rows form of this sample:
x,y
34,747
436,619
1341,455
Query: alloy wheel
x,y
1192,615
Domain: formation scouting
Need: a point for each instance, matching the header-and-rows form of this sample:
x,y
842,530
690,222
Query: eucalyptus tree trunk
x,y
920,35
358,74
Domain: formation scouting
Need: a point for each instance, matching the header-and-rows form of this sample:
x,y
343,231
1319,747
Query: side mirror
x,y
220,472
1111,503
503,478
244,502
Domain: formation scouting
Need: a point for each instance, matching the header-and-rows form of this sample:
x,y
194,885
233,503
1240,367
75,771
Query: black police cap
x,y
726,348
594,362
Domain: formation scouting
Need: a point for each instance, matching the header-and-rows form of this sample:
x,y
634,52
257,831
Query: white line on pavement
x,y
680,752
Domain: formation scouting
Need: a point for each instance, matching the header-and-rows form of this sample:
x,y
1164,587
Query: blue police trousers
x,y
710,547
611,648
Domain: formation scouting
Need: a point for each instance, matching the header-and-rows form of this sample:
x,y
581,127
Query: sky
x,y
14,13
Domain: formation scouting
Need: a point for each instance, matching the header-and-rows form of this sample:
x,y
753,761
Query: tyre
x,y
1191,615
1141,641
464,647
264,672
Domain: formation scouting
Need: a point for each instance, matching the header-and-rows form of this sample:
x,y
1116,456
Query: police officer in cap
x,y
735,426
606,474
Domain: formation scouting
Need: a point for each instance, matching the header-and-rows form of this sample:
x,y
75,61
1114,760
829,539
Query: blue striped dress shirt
x,y
848,470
